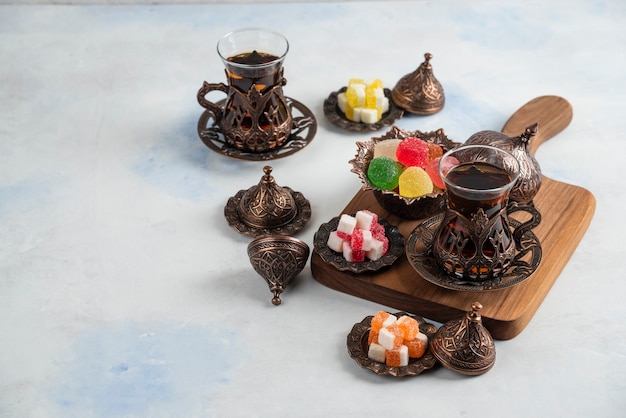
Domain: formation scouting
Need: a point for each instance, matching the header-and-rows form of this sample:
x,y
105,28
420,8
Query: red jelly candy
x,y
412,152
433,172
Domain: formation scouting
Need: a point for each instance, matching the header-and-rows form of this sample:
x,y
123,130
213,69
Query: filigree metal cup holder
x,y
278,259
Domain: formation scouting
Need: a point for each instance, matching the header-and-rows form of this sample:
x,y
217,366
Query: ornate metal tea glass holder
x,y
256,116
474,242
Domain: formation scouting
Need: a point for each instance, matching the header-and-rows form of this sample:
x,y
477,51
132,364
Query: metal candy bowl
x,y
405,207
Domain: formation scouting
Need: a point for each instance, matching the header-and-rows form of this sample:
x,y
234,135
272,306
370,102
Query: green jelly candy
x,y
384,173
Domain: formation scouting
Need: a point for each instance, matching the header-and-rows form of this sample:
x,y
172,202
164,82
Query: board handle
x,y
552,113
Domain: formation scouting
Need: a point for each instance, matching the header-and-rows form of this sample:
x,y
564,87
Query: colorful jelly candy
x,y
384,173
382,319
394,341
434,151
409,327
397,357
417,346
433,172
414,182
390,337
363,102
412,152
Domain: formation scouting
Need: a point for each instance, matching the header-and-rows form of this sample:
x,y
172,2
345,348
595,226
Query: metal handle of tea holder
x,y
526,226
206,89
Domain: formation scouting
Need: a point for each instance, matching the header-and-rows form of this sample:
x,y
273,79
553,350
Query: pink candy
x,y
359,237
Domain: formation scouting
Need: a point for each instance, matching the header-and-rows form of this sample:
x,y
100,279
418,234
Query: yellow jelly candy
x,y
376,83
356,95
414,182
355,81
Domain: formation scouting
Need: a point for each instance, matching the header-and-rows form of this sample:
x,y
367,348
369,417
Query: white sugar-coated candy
x,y
335,242
367,240
365,219
385,104
369,115
348,253
376,250
342,101
391,319
379,94
404,355
376,352
347,223
388,339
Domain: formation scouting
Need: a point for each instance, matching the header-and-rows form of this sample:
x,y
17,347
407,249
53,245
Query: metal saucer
x,y
419,253
302,133
358,349
337,118
337,260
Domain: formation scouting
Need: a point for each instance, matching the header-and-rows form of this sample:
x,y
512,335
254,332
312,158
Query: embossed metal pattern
x,y
278,259
297,223
358,349
420,92
419,252
465,345
405,207
337,118
257,121
337,260
303,130
267,205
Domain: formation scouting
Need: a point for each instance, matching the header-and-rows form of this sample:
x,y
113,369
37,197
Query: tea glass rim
x,y
278,35
495,190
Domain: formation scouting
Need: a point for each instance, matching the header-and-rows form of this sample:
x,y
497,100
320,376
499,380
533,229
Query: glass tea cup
x,y
255,116
474,241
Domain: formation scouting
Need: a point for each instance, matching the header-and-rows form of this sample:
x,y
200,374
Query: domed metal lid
x,y
419,92
465,345
267,205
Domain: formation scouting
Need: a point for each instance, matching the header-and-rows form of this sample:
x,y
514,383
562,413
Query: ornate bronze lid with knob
x,y
419,92
465,345
267,209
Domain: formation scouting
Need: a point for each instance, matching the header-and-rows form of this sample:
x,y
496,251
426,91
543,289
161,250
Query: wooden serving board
x,y
566,212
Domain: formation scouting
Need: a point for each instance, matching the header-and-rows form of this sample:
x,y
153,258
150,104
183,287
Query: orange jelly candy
x,y
372,337
417,347
397,357
409,326
379,320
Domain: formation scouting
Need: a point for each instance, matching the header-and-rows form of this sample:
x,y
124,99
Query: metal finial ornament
x,y
465,345
419,92
278,259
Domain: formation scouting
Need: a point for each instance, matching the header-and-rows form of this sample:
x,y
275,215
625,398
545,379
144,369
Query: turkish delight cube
x,y
376,352
397,357
347,223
